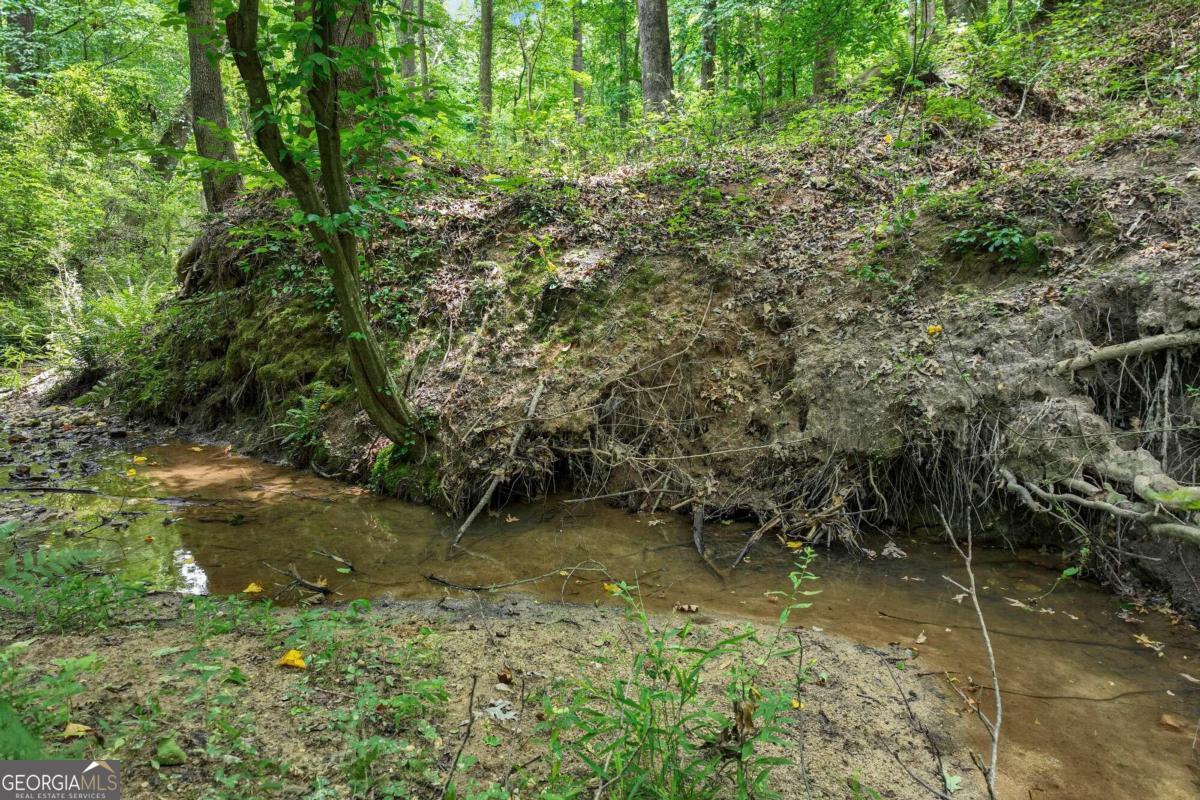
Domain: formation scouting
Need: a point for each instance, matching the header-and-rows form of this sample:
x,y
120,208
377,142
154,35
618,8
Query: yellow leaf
x,y
252,588
934,330
131,472
796,703
322,581
74,730
887,138
794,545
139,459
196,449
293,658
611,588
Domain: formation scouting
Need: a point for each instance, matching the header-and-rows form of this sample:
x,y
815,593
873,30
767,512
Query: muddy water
x,y
1084,700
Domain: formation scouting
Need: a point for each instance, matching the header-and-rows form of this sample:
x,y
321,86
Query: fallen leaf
x,y
196,449
655,522
252,588
139,459
131,472
1147,642
74,730
687,608
504,676
794,545
148,539
796,703
920,638
958,598
292,658
511,518
611,588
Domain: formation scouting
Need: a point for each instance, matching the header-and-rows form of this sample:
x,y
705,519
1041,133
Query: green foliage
x,y
653,733
35,701
1009,243
58,590
301,427
955,113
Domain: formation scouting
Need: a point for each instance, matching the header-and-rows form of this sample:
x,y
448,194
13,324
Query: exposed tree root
x,y
1150,344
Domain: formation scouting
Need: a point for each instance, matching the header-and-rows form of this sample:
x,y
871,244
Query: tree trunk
x,y
406,41
708,45
423,50
577,62
655,40
825,70
373,382
623,76
20,55
174,138
485,63
210,125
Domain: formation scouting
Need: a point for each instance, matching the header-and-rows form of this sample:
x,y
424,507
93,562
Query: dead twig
x,y
466,737
991,725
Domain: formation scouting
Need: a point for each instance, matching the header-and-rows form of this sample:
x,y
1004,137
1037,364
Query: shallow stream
x,y
1084,696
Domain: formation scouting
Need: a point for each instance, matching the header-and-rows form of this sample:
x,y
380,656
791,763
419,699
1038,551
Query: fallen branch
x,y
758,534
1138,347
991,725
512,453
295,576
336,558
698,527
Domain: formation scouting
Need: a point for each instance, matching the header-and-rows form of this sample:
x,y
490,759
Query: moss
x,y
393,474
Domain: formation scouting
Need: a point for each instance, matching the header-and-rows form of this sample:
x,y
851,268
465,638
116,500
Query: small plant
x,y
301,426
59,590
956,113
36,700
654,734
1009,243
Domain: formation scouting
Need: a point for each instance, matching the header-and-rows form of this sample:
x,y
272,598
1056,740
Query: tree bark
x,y
210,124
577,62
406,40
423,50
485,64
373,382
708,45
174,138
654,37
825,70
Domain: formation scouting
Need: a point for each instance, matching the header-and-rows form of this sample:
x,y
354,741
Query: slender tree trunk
x,y
708,45
623,76
577,62
825,70
485,64
406,41
423,49
173,139
655,40
373,382
210,125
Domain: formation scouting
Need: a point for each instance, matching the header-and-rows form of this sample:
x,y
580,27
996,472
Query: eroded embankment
x,y
776,333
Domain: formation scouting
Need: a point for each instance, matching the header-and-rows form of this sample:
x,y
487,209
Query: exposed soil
x,y
854,724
